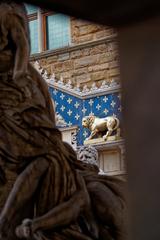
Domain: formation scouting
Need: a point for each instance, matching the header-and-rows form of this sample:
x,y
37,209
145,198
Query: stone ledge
x,y
108,144
71,48
68,128
110,139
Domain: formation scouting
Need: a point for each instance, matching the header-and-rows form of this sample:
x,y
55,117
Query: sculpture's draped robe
x,y
27,134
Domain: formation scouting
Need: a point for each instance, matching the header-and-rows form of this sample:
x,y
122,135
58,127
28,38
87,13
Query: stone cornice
x,y
89,93
85,92
110,144
63,129
71,48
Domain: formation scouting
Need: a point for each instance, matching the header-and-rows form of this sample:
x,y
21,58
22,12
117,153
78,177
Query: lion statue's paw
x,y
105,138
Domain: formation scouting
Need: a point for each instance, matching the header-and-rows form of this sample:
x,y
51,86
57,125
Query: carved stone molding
x,y
85,92
69,135
71,48
112,157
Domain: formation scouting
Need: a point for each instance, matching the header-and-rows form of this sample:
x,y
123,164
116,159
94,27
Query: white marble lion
x,y
101,126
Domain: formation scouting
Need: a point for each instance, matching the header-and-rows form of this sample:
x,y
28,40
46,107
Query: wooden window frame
x,y
44,28
43,33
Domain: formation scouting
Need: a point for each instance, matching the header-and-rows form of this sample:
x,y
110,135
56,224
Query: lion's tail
x,y
117,123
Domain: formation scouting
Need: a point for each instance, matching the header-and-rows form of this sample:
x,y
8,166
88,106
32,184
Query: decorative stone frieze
x,y
86,91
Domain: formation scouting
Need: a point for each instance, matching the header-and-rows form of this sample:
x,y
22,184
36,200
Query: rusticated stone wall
x,y
83,31
91,57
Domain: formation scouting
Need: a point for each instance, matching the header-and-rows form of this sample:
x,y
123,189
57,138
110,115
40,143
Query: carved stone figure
x,y
45,192
88,154
60,122
20,97
101,127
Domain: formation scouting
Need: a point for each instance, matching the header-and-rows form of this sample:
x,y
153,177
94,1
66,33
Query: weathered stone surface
x,y
98,67
76,54
43,61
68,65
98,76
63,57
4,191
87,29
80,71
104,32
49,69
83,31
84,78
63,66
89,63
113,72
79,22
106,57
114,64
46,175
112,46
50,60
66,75
57,66
86,52
99,49
86,61
85,38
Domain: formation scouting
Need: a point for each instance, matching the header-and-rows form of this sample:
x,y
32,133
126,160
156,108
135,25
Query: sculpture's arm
x,y
63,214
23,189
110,209
20,40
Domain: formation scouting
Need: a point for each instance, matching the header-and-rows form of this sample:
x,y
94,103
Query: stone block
x,y
75,54
98,49
51,59
66,75
101,140
104,33
111,162
86,61
90,28
49,69
43,62
68,65
113,72
98,67
80,71
79,22
97,76
112,46
94,141
85,38
63,57
84,78
114,64
57,66
83,30
86,52
107,57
